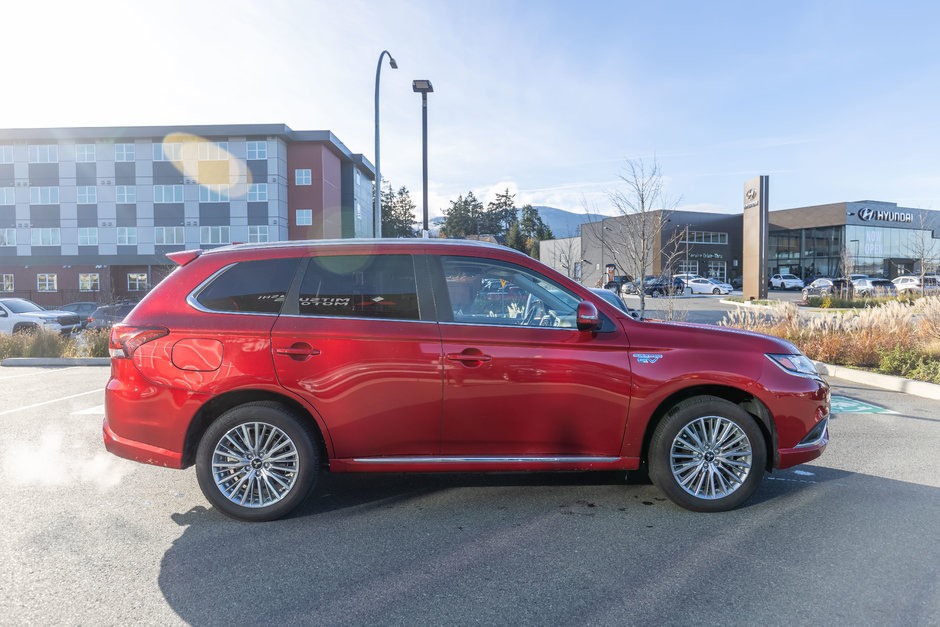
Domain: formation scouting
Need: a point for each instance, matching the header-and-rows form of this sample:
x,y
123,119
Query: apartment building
x,y
90,213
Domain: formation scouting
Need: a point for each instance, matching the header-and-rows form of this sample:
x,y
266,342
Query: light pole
x,y
424,88
377,202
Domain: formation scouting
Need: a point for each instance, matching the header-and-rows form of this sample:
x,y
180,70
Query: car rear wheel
x,y
707,455
655,293
257,462
716,291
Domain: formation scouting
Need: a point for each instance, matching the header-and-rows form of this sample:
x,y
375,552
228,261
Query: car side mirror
x,y
589,319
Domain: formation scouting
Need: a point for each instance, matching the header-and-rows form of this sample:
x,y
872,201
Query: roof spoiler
x,y
184,256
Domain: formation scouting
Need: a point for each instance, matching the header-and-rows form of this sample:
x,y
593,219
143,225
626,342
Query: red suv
x,y
264,365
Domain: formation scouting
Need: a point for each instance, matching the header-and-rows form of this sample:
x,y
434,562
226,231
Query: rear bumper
x,y
138,451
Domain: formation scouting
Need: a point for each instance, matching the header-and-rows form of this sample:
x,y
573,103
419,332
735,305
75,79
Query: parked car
x,y
828,287
19,315
685,276
265,365
107,316
786,282
82,308
664,286
708,286
911,284
874,287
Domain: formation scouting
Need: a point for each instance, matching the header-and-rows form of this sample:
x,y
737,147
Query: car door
x,y
357,342
520,380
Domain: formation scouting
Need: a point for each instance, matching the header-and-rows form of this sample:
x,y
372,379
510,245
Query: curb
x,y
884,381
55,361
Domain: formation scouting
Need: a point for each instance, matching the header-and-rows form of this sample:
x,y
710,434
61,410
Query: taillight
x,y
126,338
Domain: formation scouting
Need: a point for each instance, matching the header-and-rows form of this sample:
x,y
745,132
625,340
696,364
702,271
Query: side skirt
x,y
481,464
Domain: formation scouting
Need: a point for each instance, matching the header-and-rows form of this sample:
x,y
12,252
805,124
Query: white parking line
x,y
64,398
91,411
36,374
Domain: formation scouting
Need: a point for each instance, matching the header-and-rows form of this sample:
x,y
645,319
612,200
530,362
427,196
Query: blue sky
x,y
836,101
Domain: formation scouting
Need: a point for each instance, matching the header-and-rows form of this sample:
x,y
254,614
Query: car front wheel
x,y
707,455
257,462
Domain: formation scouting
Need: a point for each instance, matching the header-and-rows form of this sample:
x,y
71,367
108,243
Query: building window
x,y
136,281
213,151
7,196
7,237
6,283
84,153
44,153
257,234
257,192
213,193
6,154
44,195
257,150
358,211
718,270
688,267
214,235
358,176
127,236
47,282
303,177
87,194
88,236
167,152
127,193
88,282
703,237
167,193
124,152
168,235
45,237
304,217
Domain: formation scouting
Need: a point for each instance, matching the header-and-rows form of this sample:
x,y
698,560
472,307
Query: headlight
x,y
795,364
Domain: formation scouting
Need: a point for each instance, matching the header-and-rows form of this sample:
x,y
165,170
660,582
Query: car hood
x,y
49,314
712,336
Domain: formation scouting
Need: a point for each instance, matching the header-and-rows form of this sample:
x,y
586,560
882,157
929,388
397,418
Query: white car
x,y
707,286
786,282
21,315
911,284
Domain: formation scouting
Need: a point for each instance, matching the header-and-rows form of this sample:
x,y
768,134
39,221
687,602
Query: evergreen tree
x,y
463,218
398,212
515,239
500,214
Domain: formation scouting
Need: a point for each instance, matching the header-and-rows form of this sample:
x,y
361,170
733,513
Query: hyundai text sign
x,y
867,214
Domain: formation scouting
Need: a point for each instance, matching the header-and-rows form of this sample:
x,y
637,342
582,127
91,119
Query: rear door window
x,y
250,287
360,286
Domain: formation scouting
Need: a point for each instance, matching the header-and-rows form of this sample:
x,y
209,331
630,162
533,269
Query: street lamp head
x,y
422,86
392,62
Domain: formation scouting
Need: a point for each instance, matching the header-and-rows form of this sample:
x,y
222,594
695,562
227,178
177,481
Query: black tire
x,y
805,295
655,293
274,488
716,291
25,328
737,459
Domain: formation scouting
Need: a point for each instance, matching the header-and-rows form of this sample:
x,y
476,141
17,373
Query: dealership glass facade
x,y
821,251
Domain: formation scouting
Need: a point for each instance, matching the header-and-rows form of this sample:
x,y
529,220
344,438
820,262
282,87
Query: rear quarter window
x,y
250,287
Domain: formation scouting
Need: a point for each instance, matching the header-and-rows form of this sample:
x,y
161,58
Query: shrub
x,y
899,361
33,344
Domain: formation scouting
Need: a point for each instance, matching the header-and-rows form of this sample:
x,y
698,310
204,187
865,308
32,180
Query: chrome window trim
x,y
481,460
511,326
358,318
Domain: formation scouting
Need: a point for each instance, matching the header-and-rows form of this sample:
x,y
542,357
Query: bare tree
x,y
924,250
563,254
634,240
848,262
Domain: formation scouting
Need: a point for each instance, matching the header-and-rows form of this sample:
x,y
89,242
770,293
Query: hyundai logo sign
x,y
867,214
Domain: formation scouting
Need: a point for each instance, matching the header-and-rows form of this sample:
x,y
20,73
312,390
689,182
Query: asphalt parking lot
x,y
851,538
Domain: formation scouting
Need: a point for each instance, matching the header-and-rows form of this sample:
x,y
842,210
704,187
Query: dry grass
x,y
854,338
52,344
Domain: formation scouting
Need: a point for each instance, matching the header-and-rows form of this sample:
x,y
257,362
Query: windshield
x,y
22,306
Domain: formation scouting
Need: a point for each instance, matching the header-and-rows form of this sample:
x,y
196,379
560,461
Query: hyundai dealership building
x,y
872,237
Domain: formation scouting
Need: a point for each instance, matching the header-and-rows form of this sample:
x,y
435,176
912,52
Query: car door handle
x,y
298,351
468,358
